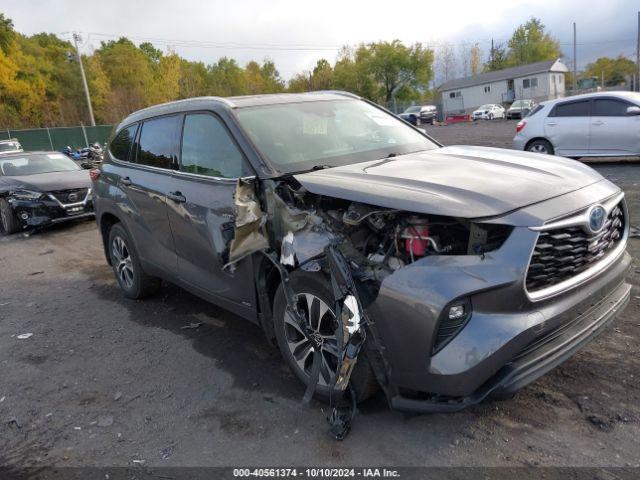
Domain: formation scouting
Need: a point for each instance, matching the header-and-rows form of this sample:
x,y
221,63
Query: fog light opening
x,y
456,312
24,215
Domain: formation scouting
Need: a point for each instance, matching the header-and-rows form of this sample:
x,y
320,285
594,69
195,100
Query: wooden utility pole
x,y
575,61
637,82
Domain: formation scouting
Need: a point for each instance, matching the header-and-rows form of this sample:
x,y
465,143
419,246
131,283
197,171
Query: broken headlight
x,y
26,195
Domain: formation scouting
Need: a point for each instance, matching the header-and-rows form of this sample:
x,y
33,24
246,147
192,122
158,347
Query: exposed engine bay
x,y
356,246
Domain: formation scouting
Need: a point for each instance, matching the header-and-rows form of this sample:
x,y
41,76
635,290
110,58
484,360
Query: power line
x,y
317,47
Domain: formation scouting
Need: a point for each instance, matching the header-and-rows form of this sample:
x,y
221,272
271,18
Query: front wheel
x,y
540,146
9,221
315,302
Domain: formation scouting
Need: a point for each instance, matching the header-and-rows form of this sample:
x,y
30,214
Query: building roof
x,y
506,74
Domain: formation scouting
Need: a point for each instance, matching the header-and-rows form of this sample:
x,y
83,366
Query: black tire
x,y
363,379
491,116
8,220
540,146
133,281
575,158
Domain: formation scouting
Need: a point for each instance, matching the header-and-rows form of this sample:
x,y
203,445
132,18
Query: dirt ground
x,y
105,381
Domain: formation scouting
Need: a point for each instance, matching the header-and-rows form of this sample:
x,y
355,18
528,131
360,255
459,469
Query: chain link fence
x,y
58,138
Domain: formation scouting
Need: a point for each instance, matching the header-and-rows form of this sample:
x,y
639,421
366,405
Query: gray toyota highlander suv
x,y
373,256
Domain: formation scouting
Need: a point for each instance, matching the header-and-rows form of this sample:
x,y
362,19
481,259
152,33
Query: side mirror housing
x,y
634,110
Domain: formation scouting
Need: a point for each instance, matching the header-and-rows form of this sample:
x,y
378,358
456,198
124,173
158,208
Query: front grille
x,y
71,196
562,253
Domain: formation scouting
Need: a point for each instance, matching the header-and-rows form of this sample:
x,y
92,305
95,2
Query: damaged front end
x,y
354,247
34,209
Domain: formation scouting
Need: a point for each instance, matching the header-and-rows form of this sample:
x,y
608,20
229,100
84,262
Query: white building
x,y
537,81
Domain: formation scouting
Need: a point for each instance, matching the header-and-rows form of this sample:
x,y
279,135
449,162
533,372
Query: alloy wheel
x,y
122,262
538,148
323,322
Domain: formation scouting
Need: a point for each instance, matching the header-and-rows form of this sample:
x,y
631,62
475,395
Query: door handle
x,y
176,197
551,124
598,123
126,181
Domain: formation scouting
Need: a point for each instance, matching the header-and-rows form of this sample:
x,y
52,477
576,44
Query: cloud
x,y
296,34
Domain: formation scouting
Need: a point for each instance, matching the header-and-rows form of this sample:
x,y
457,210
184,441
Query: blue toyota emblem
x,y
597,216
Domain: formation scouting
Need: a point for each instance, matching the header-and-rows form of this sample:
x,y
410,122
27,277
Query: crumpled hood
x,y
47,182
459,181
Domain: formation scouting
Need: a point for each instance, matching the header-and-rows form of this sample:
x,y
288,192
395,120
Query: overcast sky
x,y
295,34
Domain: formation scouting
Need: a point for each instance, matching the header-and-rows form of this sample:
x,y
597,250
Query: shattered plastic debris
x,y
287,252
24,336
354,320
191,326
117,396
249,222
167,452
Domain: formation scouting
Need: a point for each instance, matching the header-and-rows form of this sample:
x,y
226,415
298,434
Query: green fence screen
x,y
59,137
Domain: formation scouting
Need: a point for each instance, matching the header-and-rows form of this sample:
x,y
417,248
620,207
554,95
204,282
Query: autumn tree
x,y
395,66
475,60
613,70
531,43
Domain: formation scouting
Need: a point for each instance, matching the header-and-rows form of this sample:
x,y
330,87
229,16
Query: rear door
x,y
145,183
201,209
567,127
613,132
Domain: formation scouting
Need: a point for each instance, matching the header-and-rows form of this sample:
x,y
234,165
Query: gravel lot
x,y
105,381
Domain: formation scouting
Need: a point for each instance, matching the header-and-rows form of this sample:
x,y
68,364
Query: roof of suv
x,y
236,102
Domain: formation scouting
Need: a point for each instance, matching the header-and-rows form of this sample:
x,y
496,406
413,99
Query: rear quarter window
x,y
536,109
120,147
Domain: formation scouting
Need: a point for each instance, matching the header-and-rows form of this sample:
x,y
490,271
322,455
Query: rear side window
x,y
535,110
157,143
208,149
609,108
121,143
573,109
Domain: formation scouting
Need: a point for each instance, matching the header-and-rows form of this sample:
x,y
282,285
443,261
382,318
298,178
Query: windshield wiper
x,y
320,167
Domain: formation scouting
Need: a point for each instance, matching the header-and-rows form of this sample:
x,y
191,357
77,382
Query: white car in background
x,y
603,124
488,112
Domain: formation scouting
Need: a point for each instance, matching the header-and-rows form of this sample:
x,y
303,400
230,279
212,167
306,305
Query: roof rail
x,y
338,92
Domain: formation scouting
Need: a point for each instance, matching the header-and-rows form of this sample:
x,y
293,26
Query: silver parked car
x,y
520,109
600,124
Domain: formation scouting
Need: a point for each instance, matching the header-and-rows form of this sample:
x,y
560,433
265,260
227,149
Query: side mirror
x,y
633,110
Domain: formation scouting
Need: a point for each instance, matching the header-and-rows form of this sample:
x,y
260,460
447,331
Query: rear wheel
x,y
315,301
8,220
540,146
133,281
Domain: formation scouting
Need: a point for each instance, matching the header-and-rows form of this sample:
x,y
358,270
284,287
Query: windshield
x,y
299,136
519,103
486,107
9,146
35,163
414,109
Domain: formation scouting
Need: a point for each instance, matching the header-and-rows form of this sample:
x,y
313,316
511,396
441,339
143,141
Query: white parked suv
x,y
488,112
603,124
